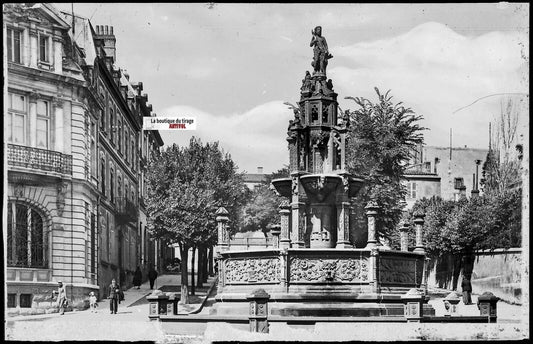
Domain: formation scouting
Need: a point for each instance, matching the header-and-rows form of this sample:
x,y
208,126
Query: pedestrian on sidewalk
x,y
467,290
92,302
152,275
137,278
61,297
114,296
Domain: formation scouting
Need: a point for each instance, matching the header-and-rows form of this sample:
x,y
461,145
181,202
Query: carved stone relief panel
x,y
329,270
252,270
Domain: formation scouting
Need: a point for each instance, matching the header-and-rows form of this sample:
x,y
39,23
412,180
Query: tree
x,y
186,185
501,170
261,211
382,137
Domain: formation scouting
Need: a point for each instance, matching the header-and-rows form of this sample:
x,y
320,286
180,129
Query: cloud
x,y
254,137
435,71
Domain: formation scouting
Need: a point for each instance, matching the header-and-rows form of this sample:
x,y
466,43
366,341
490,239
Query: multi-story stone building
x,y
73,124
51,214
450,173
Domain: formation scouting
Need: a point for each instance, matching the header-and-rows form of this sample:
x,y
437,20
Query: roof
x,y
254,177
82,36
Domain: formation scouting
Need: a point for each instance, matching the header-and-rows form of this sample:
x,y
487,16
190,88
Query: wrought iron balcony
x,y
127,211
39,159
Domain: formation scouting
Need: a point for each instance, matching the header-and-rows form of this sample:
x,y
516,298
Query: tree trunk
x,y
193,289
184,251
200,277
204,265
210,268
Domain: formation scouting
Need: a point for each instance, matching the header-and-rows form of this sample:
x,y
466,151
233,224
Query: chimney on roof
x,y
105,35
260,170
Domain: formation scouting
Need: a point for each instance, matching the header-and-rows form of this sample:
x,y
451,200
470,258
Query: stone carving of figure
x,y
307,82
329,86
320,50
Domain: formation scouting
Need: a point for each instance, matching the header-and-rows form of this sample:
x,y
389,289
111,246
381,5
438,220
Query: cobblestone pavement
x,y
132,324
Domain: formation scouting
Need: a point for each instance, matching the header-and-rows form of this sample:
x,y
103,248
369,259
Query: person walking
x,y
61,293
92,302
114,296
466,285
137,278
152,275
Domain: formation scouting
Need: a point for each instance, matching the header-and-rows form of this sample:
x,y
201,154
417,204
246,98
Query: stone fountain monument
x,y
314,268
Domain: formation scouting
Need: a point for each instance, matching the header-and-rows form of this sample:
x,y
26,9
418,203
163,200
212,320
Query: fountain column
x,y
284,240
343,225
371,212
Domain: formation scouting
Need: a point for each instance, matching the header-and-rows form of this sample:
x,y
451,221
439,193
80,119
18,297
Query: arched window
x,y
26,237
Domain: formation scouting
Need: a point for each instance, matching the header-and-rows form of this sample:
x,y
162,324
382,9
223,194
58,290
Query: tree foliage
x,y
261,209
383,135
185,186
481,223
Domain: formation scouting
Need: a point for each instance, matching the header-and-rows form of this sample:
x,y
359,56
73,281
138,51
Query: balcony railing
x,y
39,159
127,211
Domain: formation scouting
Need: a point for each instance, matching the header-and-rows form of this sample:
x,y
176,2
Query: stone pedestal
x,y
258,311
413,305
487,303
157,302
450,304
172,304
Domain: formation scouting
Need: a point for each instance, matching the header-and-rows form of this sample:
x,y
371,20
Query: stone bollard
x,y
450,303
172,304
258,311
157,304
487,303
413,302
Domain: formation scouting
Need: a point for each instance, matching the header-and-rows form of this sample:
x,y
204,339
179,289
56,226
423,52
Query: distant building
x,y
441,171
251,180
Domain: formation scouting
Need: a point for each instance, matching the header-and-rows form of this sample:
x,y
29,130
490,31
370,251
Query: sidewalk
x,y
131,323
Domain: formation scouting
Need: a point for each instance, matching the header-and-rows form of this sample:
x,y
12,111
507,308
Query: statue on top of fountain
x,y
320,50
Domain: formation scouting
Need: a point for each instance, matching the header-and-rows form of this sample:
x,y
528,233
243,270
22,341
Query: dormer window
x,y
44,49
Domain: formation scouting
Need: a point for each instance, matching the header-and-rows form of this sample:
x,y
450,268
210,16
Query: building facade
x,y
450,173
73,126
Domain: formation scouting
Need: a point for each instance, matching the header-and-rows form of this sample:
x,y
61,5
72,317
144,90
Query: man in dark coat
x,y
467,290
152,275
114,296
137,278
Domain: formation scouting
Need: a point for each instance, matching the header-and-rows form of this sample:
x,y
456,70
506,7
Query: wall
x,y
498,272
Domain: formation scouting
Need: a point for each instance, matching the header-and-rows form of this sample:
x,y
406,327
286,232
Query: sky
x,y
232,66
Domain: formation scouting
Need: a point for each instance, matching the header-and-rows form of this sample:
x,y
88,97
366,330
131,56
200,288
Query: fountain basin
x,y
283,186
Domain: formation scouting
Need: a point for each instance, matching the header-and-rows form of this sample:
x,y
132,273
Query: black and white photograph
x,y
266,172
